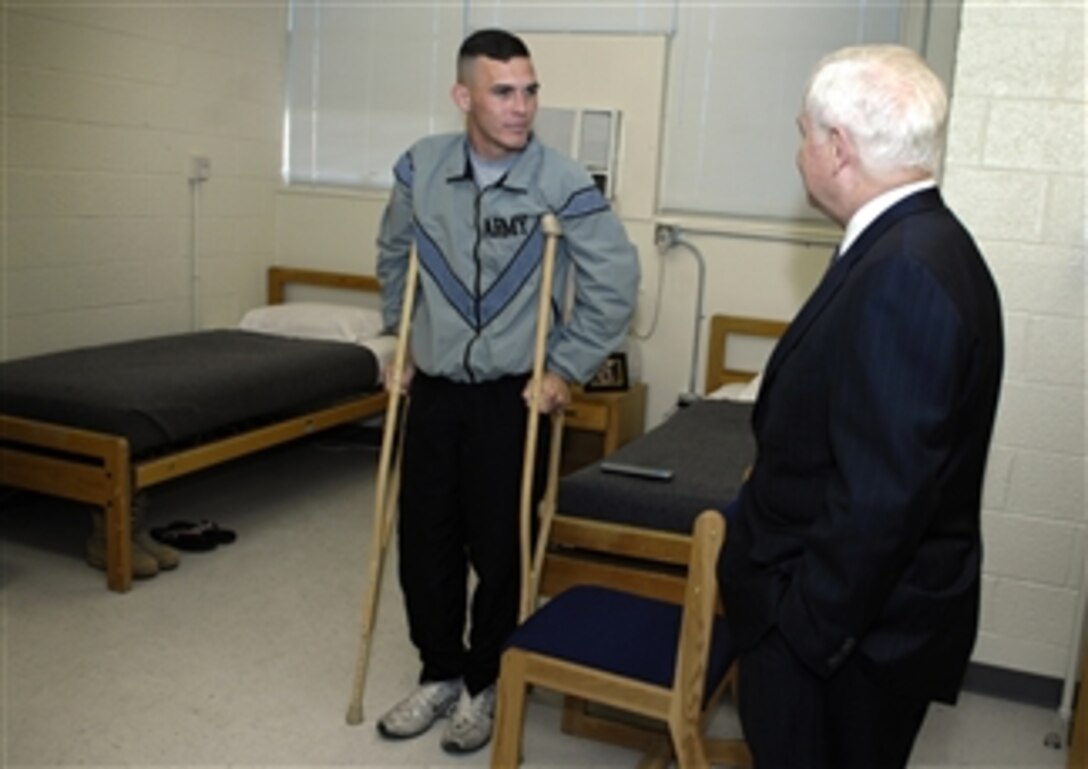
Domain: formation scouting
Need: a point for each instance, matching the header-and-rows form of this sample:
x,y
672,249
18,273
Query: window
x,y
736,76
366,79
363,82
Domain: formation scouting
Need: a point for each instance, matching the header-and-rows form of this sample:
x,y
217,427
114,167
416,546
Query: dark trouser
x,y
793,718
459,507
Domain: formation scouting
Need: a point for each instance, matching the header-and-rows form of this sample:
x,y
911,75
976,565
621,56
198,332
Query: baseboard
x,y
1029,688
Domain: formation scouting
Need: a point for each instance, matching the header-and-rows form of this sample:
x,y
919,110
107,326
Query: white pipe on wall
x,y
691,394
194,257
200,170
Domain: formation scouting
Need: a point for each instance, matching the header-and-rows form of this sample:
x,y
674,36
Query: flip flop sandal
x,y
211,530
184,537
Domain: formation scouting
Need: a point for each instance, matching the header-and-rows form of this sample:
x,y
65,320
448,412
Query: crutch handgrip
x,y
386,487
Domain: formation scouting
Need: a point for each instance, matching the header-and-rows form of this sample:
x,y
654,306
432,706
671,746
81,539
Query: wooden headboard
x,y
281,277
724,327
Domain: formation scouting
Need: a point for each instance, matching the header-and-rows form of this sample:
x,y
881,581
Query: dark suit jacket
x,y
859,528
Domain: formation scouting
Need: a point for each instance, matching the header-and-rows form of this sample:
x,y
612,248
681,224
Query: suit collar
x,y
872,210
928,199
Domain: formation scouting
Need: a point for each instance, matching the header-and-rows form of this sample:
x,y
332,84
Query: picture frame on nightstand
x,y
611,376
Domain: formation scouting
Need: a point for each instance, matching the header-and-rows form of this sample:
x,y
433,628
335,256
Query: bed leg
x,y
117,512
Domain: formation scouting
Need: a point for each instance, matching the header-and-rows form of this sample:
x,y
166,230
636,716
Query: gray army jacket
x,y
480,254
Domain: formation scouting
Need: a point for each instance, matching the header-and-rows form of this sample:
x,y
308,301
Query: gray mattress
x,y
167,392
707,445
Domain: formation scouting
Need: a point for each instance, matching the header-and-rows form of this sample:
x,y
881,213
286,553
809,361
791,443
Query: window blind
x,y
366,79
736,79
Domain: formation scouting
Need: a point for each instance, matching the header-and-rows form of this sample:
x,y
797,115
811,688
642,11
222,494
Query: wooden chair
x,y
628,652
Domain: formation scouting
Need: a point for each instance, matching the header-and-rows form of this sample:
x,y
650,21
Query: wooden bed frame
x,y
642,560
97,468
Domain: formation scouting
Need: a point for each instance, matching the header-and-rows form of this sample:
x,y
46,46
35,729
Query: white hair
x,y
888,99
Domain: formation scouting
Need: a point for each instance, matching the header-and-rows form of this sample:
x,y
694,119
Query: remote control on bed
x,y
638,471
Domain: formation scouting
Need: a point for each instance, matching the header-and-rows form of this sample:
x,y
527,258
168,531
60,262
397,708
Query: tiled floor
x,y
244,656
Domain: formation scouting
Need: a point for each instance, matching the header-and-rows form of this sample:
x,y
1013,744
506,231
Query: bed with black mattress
x,y
625,530
99,424
701,450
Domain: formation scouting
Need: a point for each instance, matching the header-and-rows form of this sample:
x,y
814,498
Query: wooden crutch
x,y
546,510
387,487
530,573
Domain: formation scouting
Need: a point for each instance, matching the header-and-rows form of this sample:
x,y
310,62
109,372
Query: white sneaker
x,y
417,712
469,728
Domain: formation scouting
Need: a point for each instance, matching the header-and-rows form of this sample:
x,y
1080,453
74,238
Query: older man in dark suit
x,y
851,571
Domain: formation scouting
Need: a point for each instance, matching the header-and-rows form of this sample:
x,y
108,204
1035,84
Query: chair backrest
x,y
697,622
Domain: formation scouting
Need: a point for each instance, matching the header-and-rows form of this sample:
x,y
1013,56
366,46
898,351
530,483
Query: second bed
x,y
633,532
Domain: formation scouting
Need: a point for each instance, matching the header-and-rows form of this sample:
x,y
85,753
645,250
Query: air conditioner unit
x,y
590,136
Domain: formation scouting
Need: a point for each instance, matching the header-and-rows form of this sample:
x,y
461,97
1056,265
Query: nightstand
x,y
598,423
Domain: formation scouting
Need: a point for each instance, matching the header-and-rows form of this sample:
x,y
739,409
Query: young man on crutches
x,y
473,204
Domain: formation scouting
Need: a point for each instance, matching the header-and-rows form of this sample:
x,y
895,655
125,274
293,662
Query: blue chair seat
x,y
625,634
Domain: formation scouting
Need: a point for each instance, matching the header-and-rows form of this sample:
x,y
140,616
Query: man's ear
x,y
843,149
461,96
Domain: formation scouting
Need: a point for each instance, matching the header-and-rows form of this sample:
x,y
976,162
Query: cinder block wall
x,y
1015,173
104,105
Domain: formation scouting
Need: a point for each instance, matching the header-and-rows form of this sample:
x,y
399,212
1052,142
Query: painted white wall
x,y
104,104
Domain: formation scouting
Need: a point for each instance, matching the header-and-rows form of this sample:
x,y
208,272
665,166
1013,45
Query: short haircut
x,y
495,44
889,100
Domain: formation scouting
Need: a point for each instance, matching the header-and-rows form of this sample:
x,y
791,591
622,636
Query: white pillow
x,y
315,320
735,391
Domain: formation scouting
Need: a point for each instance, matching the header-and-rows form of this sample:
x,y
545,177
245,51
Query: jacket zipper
x,y
476,286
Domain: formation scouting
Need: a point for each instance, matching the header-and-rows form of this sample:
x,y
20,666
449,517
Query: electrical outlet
x,y
666,236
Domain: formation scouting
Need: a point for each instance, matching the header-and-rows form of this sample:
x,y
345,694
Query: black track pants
x,y
459,508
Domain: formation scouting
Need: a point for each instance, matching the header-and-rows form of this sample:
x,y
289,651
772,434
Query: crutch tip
x,y
355,714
